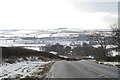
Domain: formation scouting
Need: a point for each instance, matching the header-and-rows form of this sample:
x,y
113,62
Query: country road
x,y
82,69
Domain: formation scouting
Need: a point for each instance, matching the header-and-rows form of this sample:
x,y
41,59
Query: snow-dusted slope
x,y
21,69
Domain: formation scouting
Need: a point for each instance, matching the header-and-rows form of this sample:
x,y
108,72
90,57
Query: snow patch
x,y
53,52
110,63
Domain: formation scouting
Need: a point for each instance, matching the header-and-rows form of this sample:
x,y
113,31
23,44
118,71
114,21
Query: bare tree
x,y
116,36
101,39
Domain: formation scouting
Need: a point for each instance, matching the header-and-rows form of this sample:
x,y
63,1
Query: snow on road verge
x,y
110,63
22,69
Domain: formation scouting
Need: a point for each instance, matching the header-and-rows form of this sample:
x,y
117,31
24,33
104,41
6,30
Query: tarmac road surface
x,y
82,69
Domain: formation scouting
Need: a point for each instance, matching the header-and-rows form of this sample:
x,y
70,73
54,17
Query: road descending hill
x,y
82,69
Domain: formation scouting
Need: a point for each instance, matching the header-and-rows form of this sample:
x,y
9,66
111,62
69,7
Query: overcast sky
x,y
50,14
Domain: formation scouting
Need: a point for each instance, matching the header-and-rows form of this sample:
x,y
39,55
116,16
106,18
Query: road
x,y
82,69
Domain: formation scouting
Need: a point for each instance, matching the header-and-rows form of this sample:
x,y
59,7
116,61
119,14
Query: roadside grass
x,y
43,70
18,76
18,69
10,61
30,78
40,74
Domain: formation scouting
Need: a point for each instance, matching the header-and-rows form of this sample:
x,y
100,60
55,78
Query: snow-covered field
x,y
21,69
